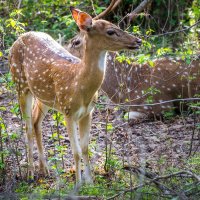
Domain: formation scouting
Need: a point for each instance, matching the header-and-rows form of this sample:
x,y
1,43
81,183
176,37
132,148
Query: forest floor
x,y
156,146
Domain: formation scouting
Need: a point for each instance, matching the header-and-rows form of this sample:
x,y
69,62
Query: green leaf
x,y
3,108
151,63
109,127
126,116
14,136
12,23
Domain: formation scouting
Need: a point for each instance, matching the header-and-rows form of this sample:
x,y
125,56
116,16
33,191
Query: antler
x,y
112,6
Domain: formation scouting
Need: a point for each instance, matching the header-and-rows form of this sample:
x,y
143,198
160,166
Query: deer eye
x,y
111,32
76,42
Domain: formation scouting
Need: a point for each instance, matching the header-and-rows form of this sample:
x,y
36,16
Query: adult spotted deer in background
x,y
169,79
44,70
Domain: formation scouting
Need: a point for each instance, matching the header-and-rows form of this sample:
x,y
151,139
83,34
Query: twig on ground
x,y
181,195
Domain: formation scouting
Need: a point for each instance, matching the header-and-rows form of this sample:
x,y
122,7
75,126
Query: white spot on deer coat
x,y
109,57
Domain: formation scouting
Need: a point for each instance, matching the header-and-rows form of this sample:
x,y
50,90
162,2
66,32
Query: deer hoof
x,y
44,169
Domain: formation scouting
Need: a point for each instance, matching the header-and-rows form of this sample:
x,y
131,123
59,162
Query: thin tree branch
x,y
19,4
105,12
116,4
173,32
139,9
111,7
150,104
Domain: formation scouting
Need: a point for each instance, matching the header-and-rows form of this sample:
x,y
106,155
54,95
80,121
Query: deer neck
x,y
94,58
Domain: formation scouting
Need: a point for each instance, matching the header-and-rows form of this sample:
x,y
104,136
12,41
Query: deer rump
x,y
138,84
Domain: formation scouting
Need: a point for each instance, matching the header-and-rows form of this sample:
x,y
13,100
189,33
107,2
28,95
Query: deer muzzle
x,y
135,44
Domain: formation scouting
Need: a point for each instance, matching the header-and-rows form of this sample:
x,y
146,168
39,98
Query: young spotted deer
x,y
168,79
44,70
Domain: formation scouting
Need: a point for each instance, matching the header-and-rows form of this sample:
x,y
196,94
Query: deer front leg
x,y
39,112
84,130
76,150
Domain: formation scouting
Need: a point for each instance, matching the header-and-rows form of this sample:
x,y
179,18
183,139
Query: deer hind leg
x,y
76,150
84,130
38,114
25,102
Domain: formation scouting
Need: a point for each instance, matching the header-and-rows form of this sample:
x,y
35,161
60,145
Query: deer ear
x,y
82,19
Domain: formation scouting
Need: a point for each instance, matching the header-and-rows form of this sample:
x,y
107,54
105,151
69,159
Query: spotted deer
x,y
44,70
170,78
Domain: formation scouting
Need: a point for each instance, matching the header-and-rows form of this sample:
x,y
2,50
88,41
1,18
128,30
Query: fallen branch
x,y
149,175
156,177
178,194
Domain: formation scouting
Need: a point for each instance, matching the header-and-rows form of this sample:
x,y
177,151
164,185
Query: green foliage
x,y
163,51
149,93
136,30
58,118
194,163
126,116
167,115
123,58
109,127
142,58
15,109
